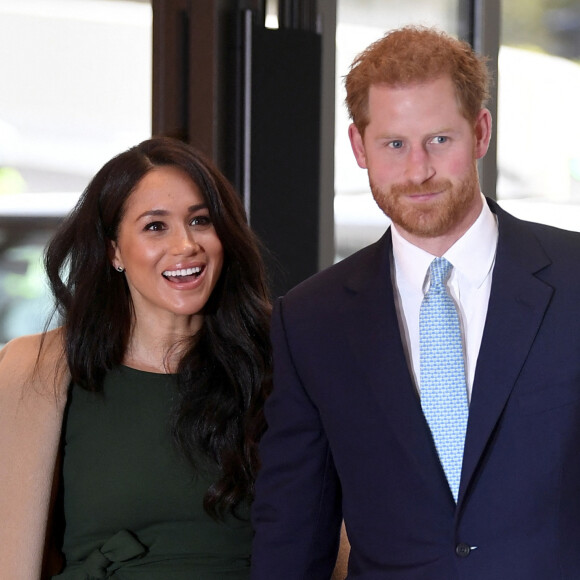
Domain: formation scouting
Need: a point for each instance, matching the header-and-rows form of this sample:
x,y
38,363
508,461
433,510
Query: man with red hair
x,y
450,449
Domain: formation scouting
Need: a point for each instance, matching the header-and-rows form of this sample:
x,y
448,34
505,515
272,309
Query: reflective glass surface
x,y
76,90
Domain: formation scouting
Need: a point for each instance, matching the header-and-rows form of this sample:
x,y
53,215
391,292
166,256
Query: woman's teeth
x,y
183,272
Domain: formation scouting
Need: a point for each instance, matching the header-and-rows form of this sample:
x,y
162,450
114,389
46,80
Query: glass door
x,y
538,120
76,90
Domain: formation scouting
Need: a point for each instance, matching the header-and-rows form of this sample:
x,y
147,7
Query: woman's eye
x,y
155,226
201,221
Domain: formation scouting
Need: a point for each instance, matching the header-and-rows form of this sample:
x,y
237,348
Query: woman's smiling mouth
x,y
183,273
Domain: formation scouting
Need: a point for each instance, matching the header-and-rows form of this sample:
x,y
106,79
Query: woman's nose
x,y
185,242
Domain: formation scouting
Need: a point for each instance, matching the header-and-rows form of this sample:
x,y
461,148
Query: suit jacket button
x,y
462,550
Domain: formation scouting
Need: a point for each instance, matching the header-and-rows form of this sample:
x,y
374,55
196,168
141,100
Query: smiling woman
x,y
160,369
171,256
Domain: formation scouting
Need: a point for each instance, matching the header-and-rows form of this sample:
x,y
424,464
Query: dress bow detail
x,y
121,547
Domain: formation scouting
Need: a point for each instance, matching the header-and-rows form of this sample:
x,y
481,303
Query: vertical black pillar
x,y
283,150
250,97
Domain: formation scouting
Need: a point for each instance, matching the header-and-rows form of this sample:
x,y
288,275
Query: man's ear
x,y
482,132
357,144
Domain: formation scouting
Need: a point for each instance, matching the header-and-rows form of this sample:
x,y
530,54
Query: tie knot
x,y
438,271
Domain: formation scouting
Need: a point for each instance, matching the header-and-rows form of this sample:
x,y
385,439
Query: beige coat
x,y
32,400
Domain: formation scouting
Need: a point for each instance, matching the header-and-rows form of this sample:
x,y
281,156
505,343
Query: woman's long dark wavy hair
x,y
225,373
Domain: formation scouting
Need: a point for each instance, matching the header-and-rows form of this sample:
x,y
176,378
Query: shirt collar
x,y
472,255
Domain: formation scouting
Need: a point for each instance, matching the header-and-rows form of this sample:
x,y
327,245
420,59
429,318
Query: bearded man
x,y
427,388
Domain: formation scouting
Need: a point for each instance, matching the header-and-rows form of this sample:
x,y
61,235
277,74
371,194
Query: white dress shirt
x,y
472,257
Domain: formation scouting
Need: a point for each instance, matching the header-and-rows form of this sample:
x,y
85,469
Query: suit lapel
x,y
517,305
376,344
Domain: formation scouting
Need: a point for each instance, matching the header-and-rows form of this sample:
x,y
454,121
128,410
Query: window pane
x,y
538,120
76,90
358,220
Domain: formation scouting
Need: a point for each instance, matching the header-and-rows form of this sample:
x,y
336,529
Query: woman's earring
x,y
120,269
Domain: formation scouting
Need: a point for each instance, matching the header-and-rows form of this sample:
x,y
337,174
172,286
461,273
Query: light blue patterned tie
x,y
443,388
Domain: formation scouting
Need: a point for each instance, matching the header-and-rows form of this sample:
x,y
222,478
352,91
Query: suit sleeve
x,y
296,513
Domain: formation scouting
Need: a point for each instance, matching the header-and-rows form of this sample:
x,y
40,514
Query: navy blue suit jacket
x,y
347,437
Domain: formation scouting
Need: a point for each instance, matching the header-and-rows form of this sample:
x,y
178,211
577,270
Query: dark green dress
x,y
132,505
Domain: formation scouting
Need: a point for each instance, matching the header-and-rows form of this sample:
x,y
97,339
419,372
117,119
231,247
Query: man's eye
x,y
439,139
396,144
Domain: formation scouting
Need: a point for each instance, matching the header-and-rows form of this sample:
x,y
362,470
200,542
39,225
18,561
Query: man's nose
x,y
419,165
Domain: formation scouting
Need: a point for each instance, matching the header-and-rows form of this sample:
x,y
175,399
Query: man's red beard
x,y
431,218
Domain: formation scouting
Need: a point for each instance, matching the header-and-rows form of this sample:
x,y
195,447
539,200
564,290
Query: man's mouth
x,y
426,190
423,194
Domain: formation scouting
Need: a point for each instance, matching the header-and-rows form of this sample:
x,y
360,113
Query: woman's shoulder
x,y
35,358
26,348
